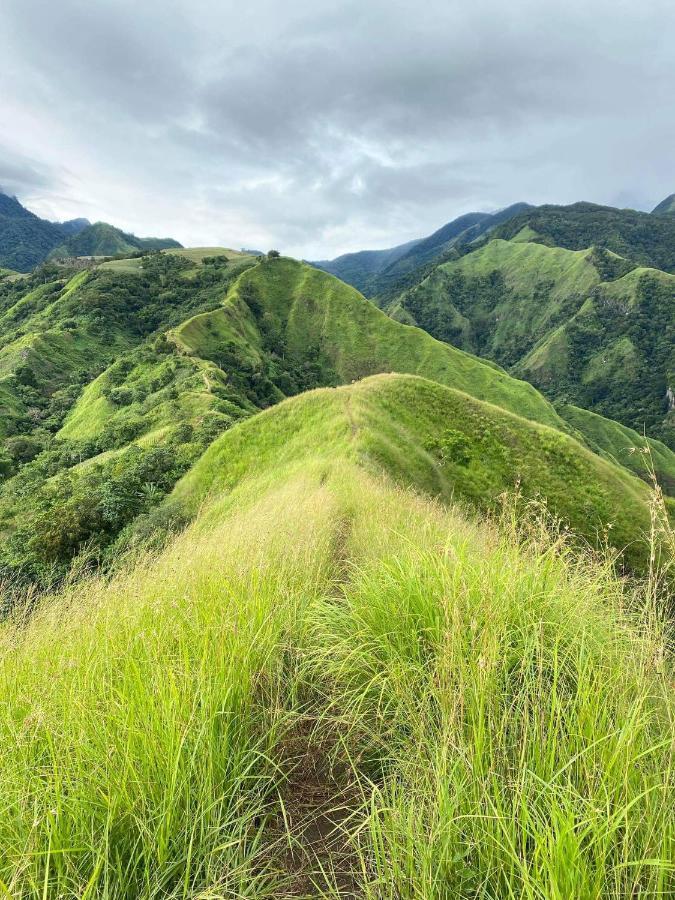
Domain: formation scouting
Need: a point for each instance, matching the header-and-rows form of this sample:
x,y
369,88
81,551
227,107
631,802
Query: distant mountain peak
x,y
26,240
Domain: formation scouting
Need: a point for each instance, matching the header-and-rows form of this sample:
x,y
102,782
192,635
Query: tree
x,y
273,254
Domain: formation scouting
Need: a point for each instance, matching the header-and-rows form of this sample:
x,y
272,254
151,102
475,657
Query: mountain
x,y
665,207
641,237
330,684
359,269
587,326
123,374
74,226
381,273
300,601
25,239
102,239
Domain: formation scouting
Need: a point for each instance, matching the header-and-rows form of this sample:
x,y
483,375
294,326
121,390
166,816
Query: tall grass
x,y
137,718
507,710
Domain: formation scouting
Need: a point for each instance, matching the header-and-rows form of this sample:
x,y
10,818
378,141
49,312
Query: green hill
x,y
113,383
586,326
640,237
102,239
330,685
436,439
665,207
109,372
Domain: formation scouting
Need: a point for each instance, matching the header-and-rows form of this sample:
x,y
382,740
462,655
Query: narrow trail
x,y
353,426
313,855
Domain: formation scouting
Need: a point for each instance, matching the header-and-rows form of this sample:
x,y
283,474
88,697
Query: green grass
x,y
314,315
435,439
585,326
197,254
624,446
499,299
505,720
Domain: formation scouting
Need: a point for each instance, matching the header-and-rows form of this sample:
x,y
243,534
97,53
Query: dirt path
x,y
313,855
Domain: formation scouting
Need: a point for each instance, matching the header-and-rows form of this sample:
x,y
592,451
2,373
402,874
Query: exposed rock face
x,y
670,397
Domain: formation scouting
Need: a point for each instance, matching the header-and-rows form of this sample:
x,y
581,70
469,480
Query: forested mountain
x,y
381,273
643,238
25,239
102,239
665,207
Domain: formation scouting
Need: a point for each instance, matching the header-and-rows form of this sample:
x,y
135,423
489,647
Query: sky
x,y
319,128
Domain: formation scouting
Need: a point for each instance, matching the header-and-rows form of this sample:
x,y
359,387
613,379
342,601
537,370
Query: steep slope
x,y
431,437
624,446
359,269
102,239
319,326
102,418
640,237
25,239
331,686
665,207
382,273
586,326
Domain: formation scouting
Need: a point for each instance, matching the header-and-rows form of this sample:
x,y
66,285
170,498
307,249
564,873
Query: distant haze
x,y
324,128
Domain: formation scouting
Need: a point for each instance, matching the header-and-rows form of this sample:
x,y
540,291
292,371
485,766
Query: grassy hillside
x,y
102,239
435,439
116,380
586,326
624,446
330,686
641,237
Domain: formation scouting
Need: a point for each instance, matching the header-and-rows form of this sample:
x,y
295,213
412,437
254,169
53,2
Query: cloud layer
x,y
320,128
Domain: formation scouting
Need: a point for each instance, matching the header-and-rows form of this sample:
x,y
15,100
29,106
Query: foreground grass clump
x,y
507,723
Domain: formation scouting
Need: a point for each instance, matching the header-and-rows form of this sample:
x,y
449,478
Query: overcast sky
x,y
320,128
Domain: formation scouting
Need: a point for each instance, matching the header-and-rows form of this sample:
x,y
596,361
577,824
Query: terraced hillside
x,y
332,686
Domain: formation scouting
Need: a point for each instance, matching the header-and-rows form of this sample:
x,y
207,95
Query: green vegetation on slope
x,y
381,274
641,237
439,440
25,239
142,387
473,710
102,239
624,446
665,207
585,326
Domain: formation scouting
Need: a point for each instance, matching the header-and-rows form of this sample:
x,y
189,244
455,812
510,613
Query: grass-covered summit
x,y
114,381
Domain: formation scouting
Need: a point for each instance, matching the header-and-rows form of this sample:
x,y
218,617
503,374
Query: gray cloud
x,y
323,130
